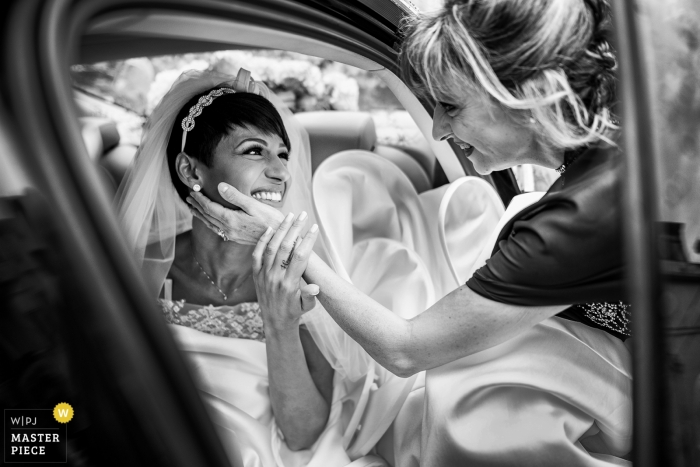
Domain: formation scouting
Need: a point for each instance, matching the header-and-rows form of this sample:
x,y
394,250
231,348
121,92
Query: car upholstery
x,y
330,132
333,132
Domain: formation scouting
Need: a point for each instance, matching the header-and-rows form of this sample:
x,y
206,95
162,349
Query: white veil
x,y
152,214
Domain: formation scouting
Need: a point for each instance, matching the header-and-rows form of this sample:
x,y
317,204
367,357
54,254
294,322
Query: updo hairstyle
x,y
546,59
217,120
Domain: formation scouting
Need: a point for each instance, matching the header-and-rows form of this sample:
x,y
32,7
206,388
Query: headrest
x,y
100,135
413,170
332,132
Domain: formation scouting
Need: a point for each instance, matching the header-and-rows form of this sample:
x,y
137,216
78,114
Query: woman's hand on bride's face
x,y
241,226
279,260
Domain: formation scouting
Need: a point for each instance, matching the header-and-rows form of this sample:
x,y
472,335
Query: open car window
x,y
341,106
673,61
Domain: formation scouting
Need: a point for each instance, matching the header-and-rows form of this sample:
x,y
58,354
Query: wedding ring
x,y
223,235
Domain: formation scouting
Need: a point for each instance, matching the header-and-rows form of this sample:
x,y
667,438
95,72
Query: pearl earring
x,y
197,188
532,120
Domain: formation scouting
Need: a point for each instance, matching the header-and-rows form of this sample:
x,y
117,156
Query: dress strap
x,y
168,289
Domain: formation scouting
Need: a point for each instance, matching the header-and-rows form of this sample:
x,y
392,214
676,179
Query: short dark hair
x,y
223,115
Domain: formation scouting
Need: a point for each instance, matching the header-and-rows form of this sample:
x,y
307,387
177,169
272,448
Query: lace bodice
x,y
242,321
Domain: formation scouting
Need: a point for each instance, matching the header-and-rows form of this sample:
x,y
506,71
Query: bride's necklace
x,y
214,283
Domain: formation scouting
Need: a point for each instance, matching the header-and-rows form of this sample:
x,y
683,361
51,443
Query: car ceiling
x,y
120,34
297,26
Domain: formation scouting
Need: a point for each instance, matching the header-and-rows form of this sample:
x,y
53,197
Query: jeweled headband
x,y
196,110
242,84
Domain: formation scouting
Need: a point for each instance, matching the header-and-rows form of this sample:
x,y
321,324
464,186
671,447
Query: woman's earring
x,y
197,188
532,120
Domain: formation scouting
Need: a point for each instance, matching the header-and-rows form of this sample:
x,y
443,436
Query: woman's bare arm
x,y
301,381
458,325
301,386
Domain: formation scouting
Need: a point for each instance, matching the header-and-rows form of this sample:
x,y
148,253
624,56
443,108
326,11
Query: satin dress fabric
x,y
558,394
231,375
376,223
406,250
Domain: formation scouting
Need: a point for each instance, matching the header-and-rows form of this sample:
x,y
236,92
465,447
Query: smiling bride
x,y
274,390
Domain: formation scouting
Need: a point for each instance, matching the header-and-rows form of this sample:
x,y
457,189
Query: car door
x,y
659,57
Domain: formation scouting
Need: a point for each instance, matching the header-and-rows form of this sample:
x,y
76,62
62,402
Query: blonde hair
x,y
548,59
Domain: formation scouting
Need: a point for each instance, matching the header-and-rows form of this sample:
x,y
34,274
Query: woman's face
x,y
255,163
488,136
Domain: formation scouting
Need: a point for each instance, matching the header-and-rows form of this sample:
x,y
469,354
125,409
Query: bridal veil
x,y
152,214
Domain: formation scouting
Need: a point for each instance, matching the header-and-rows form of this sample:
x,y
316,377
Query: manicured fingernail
x,y
315,291
223,187
289,217
313,228
189,200
302,216
268,231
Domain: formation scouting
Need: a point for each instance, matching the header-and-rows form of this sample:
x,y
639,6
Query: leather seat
x,y
408,165
331,132
111,158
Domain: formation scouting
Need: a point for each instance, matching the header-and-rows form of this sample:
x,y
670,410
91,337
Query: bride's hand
x,y
279,260
241,226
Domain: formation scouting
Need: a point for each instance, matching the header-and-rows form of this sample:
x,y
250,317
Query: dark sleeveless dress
x,y
566,248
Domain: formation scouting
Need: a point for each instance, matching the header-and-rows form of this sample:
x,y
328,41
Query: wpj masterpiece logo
x,y
37,435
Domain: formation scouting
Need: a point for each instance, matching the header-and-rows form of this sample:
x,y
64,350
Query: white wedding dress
x,y
556,395
380,231
406,251
231,375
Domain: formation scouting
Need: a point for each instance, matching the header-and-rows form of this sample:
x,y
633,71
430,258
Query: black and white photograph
x,y
350,233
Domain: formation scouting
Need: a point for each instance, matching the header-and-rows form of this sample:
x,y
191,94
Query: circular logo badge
x,y
63,412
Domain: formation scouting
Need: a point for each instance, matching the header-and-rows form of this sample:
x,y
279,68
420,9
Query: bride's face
x,y
255,163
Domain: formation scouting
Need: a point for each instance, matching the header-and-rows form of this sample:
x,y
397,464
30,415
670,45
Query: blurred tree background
x,y
304,83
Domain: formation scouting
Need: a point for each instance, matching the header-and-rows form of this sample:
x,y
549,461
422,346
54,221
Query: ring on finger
x,y
288,261
222,234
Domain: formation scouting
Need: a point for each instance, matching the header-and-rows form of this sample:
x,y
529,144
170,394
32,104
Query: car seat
x,y
329,133
111,158
336,131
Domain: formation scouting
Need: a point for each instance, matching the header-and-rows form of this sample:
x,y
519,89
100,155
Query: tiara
x,y
196,110
243,83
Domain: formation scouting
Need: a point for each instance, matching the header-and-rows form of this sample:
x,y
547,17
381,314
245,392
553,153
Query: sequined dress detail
x,y
242,321
613,316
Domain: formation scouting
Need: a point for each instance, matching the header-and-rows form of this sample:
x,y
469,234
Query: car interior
x,y
349,130
329,132
426,164
117,360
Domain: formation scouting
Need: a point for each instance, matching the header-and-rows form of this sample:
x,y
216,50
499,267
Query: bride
x,y
274,389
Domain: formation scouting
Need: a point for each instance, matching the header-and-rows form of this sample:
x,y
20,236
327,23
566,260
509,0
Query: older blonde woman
x,y
526,362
